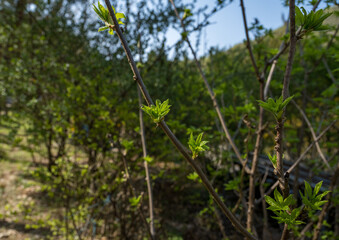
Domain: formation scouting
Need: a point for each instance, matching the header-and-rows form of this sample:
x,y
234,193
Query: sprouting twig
x,y
283,181
137,77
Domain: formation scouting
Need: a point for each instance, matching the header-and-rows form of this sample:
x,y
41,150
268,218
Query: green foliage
x,y
311,199
135,201
104,16
233,184
197,146
275,107
273,159
158,111
187,13
281,207
311,21
194,177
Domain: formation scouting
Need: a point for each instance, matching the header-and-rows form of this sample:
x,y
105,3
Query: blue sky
x,y
228,28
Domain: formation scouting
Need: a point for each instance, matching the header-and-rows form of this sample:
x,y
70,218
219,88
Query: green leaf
x,y
197,145
272,203
277,196
120,15
317,189
103,29
157,112
308,189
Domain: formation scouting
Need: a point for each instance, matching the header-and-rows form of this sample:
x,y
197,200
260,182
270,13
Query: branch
x,y
248,42
313,135
211,93
144,150
283,182
269,78
236,223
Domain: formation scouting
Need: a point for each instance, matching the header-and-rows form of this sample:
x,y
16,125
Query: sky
x,y
228,28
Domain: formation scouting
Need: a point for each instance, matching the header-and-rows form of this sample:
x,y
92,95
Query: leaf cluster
x,y
281,208
197,145
275,107
311,21
310,198
104,16
158,111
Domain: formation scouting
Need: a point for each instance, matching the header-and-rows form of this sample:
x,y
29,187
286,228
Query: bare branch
x,y
248,42
269,79
313,135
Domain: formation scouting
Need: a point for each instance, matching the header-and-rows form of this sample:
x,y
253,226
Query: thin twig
x,y
313,135
211,93
148,177
260,77
269,79
248,42
144,150
137,77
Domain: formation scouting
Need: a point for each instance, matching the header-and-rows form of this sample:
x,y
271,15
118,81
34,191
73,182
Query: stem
x,y
144,150
236,223
269,79
260,78
283,181
313,135
248,42
148,178
211,93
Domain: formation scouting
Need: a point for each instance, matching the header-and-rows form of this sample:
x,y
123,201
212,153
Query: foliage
x,y
275,107
197,145
158,111
273,159
104,16
61,96
312,200
283,207
312,21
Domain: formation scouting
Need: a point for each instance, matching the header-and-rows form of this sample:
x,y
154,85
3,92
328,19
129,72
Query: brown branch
x,y
262,193
313,135
269,79
260,77
148,177
137,77
144,150
248,42
210,91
